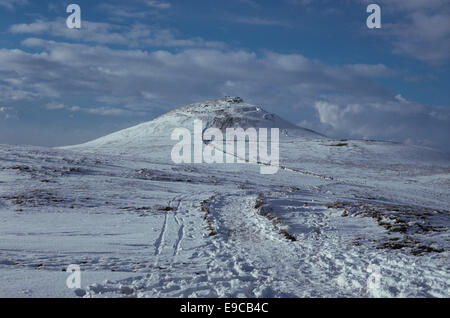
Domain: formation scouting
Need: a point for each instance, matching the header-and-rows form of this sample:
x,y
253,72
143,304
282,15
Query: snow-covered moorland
x,y
141,226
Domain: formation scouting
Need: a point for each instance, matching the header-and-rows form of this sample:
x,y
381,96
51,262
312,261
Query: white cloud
x,y
11,4
259,21
368,70
55,106
136,35
122,12
419,29
102,111
251,3
8,113
338,100
63,67
394,120
158,4
424,36
407,5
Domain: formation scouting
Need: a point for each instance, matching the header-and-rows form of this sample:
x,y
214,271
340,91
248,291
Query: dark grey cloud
x,y
64,67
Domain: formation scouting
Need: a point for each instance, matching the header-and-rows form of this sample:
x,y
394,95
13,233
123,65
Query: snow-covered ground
x,y
139,225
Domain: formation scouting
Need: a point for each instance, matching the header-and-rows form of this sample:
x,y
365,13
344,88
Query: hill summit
x,y
222,113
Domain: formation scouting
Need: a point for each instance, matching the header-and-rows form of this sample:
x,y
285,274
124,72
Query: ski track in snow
x,y
159,244
239,260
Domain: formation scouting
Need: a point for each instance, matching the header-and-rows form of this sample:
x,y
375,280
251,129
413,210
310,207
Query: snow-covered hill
x,y
337,213
221,113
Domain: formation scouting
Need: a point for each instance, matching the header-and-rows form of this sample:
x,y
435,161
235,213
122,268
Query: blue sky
x,y
313,62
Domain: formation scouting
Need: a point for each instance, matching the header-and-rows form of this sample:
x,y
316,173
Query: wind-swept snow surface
x,y
341,218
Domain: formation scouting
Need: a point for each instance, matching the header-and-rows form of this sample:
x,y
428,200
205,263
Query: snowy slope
x,y
141,226
220,113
